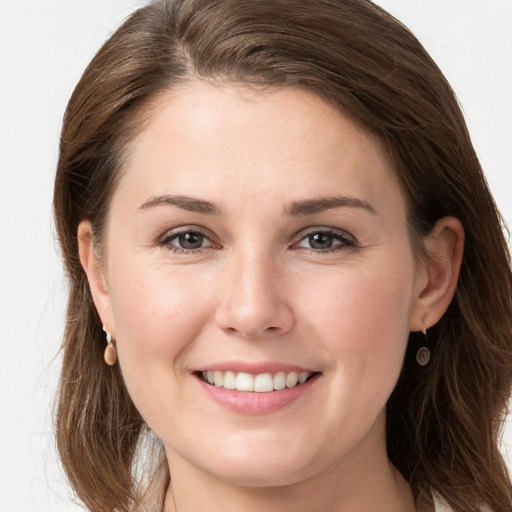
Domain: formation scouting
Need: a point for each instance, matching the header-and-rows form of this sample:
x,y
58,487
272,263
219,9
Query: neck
x,y
297,498
356,484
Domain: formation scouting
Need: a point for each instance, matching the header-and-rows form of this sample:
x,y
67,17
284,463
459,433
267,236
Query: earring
x,y
423,354
110,354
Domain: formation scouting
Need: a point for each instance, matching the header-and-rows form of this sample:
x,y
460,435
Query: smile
x,y
260,383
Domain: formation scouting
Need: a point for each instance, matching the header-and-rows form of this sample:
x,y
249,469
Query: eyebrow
x,y
296,209
190,204
312,206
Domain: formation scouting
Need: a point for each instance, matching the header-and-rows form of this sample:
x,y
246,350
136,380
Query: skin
x,y
257,291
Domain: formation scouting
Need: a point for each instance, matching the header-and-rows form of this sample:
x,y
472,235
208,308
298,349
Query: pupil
x,y
190,240
320,241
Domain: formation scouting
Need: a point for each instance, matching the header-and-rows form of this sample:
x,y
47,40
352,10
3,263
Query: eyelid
x,y
349,239
171,234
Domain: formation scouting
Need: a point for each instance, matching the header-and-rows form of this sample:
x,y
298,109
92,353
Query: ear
x,y
438,275
95,271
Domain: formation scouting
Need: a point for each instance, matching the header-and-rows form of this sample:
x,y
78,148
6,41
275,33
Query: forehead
x,y
202,137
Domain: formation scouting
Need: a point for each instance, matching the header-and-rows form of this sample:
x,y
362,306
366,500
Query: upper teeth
x,y
262,383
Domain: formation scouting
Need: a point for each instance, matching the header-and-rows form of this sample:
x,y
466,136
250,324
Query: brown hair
x,y
443,420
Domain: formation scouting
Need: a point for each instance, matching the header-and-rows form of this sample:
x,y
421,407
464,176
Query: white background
x,y
44,47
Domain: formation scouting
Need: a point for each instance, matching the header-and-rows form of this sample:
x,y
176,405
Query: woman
x,y
274,211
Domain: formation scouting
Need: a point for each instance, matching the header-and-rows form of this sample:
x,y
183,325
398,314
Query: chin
x,y
257,465
262,474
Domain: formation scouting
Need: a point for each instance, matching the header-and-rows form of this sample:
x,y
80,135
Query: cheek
x,y
154,297
368,304
364,322
158,314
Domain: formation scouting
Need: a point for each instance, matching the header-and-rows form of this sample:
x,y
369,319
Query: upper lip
x,y
255,368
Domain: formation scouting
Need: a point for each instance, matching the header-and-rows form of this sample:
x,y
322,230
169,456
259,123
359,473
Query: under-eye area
x,y
260,383
324,240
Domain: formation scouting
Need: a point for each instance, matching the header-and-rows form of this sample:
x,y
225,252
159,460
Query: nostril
x,y
256,333
254,319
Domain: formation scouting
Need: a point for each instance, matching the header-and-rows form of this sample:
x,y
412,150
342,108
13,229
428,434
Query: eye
x,y
189,240
326,241
186,241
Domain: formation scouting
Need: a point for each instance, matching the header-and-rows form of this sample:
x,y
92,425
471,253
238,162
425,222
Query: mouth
x,y
260,383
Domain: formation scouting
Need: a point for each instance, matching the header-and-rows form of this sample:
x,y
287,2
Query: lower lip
x,y
247,402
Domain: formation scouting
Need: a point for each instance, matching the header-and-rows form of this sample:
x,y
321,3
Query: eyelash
x,y
346,241
168,238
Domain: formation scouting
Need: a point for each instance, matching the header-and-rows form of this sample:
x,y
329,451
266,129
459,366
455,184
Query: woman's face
x,y
261,237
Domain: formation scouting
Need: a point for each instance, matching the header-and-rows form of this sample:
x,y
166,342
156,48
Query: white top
x,y
440,505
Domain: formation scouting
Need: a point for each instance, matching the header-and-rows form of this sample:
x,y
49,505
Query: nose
x,y
255,301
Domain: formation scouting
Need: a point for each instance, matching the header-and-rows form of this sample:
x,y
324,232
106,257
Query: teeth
x,y
218,378
279,380
261,383
303,377
291,380
229,380
264,383
244,382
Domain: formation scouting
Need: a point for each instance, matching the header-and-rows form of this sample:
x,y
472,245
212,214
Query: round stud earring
x,y
423,356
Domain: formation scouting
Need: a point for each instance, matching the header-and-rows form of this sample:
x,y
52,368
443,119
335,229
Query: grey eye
x,y
325,241
320,240
190,240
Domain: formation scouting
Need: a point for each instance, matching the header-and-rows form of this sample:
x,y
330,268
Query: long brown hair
x,y
443,420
